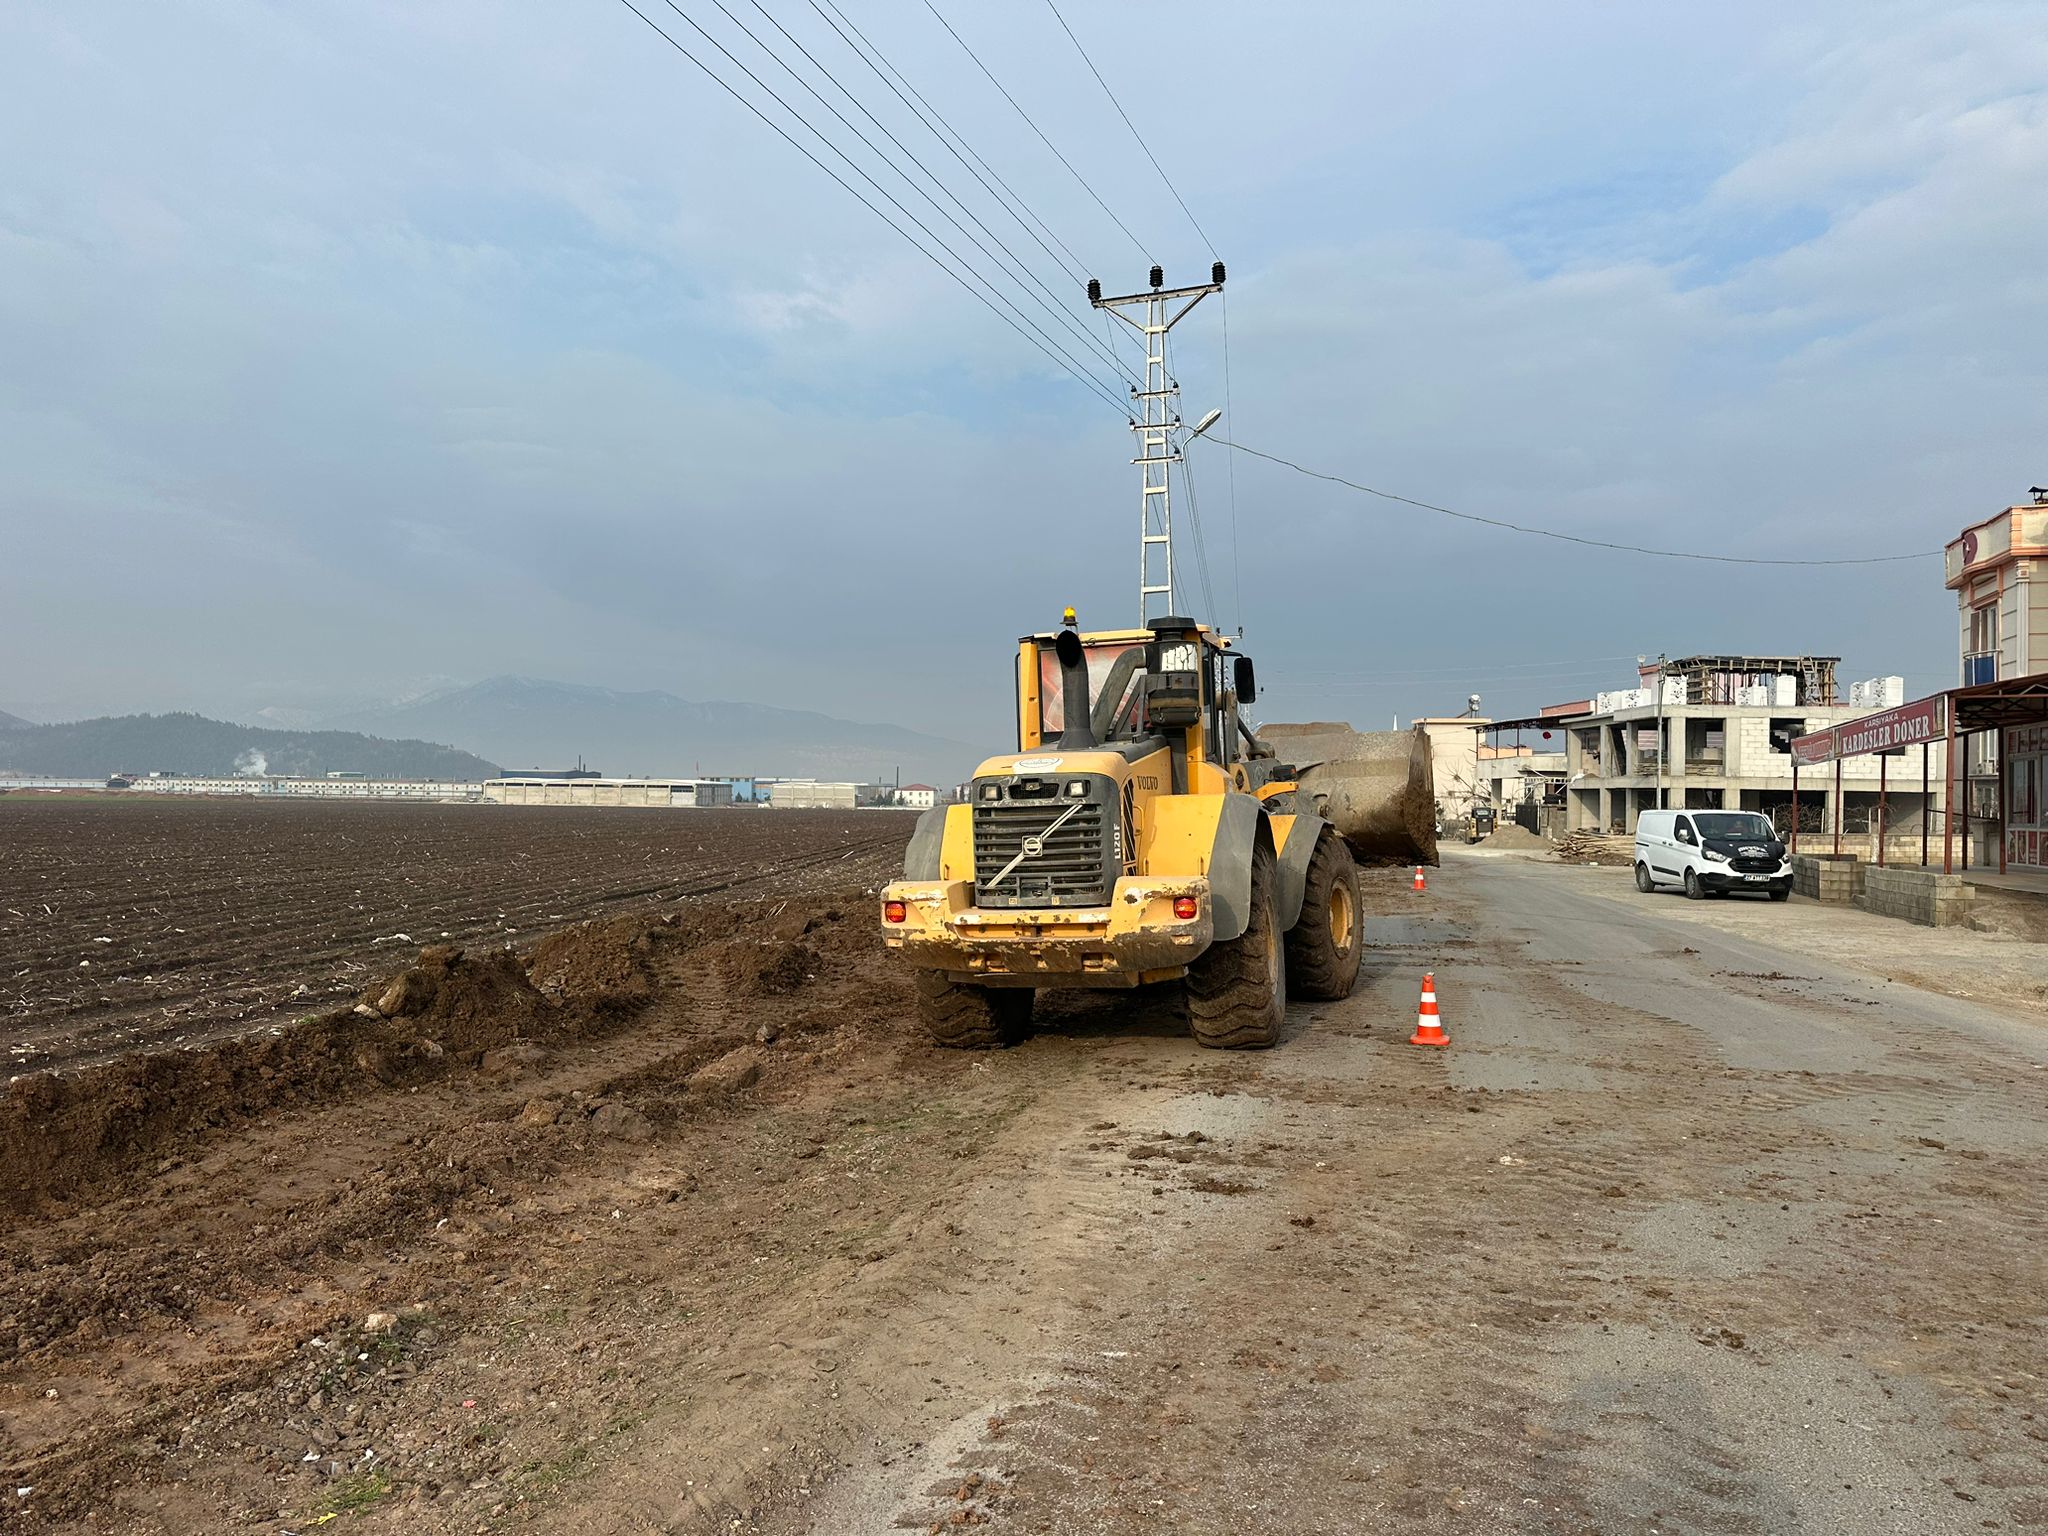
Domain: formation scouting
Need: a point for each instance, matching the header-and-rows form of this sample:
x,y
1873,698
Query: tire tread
x,y
1236,996
962,1016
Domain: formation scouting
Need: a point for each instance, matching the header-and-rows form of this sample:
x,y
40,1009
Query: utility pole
x,y
1155,423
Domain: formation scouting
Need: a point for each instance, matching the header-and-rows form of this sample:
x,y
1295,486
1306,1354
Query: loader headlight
x,y
1077,789
991,791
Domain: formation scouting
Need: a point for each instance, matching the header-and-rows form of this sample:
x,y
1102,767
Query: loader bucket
x,y
1374,787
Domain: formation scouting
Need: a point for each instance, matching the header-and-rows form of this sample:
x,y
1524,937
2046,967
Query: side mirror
x,y
1243,680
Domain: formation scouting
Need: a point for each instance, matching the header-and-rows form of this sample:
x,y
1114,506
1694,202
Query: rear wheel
x,y
1327,941
1643,880
964,1016
1237,990
1694,891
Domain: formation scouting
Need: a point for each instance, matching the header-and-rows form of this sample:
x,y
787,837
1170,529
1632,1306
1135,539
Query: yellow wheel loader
x,y
1143,832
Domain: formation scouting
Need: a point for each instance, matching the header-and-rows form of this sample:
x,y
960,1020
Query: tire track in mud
x,y
1509,1272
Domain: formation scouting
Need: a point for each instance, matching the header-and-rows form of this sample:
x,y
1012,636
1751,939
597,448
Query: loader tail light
x,y
1184,907
894,912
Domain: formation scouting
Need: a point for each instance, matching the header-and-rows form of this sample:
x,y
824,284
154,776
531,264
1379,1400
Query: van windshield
x,y
1733,824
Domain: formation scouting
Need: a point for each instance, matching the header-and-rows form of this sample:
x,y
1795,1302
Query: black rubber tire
x,y
1694,891
1237,990
1317,966
1781,895
966,1017
1643,881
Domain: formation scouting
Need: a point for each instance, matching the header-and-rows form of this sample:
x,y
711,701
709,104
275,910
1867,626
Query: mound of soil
x,y
604,966
1515,835
62,1130
453,1009
769,967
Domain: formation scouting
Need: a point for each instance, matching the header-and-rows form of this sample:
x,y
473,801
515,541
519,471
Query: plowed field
x,y
152,921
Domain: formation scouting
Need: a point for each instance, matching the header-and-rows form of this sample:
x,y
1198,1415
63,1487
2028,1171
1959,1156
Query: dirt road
x,y
1683,1234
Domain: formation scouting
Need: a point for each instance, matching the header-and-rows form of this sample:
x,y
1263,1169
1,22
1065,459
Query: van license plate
x,y
1758,878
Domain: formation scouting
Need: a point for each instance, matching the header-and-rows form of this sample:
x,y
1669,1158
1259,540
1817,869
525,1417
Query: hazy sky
x,y
349,348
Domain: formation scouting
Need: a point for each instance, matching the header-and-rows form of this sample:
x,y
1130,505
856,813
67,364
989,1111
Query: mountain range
x,y
13,722
194,745
531,722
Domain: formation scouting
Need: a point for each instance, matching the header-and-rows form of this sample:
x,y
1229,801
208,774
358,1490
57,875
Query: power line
x,y
1048,143
1120,112
1050,303
858,170
1230,470
1551,533
1075,267
1053,350
1463,669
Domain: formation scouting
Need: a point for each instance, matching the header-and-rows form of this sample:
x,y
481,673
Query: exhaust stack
x,y
1079,732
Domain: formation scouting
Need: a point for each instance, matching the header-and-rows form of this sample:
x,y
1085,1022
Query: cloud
x,y
442,341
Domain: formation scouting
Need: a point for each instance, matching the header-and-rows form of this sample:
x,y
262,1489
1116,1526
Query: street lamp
x,y
1205,424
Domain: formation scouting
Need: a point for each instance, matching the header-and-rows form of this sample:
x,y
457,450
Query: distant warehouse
x,y
813,794
660,794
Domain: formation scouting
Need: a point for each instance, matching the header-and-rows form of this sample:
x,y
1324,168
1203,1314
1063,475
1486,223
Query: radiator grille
x,y
1071,867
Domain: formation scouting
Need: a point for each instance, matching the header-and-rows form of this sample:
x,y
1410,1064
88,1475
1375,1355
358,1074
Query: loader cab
x,y
1174,684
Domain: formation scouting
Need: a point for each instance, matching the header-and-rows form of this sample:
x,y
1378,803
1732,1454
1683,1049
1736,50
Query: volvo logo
x,y
1033,847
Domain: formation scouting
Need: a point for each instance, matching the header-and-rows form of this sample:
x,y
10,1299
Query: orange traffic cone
x,y
1427,1030
1419,885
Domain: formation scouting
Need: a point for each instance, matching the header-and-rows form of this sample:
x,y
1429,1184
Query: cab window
x,y
1119,666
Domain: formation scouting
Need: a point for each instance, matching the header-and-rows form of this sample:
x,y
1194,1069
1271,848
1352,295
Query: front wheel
x,y
1237,990
1694,891
1643,880
1328,940
968,1017
1781,893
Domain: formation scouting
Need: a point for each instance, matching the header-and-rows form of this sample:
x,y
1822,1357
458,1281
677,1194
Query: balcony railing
x,y
1979,667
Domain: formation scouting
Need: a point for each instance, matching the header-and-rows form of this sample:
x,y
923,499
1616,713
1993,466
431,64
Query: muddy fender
x,y
921,858
1297,837
1240,829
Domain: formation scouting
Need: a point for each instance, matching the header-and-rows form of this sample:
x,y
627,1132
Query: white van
x,y
1710,853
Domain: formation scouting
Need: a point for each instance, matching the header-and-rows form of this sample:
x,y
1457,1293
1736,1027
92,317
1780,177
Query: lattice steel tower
x,y
1155,422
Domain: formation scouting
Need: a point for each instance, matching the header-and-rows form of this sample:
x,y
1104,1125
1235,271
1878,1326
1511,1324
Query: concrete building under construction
x,y
1716,732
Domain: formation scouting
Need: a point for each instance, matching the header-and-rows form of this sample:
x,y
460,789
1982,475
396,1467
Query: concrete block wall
x,y
1748,742
1828,876
1920,896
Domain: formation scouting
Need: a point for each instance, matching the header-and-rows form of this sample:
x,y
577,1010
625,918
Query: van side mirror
x,y
1685,834
1243,680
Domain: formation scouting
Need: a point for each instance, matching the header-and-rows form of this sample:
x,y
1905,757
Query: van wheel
x,y
1237,990
1781,894
1694,891
969,1017
1643,880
